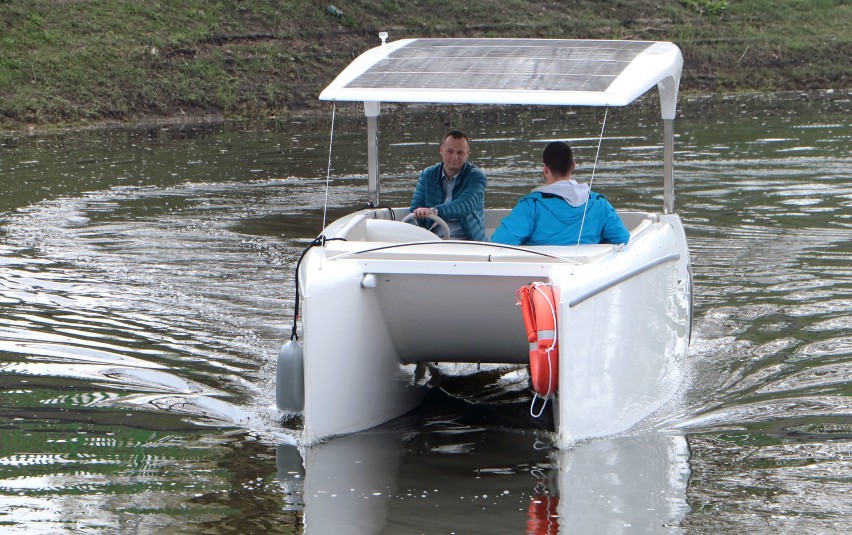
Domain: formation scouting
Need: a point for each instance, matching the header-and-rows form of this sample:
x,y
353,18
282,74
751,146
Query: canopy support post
x,y
668,166
668,107
372,110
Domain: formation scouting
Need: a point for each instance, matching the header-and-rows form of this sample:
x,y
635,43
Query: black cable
x,y
389,209
319,240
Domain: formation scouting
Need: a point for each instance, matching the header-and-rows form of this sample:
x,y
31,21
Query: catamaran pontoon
x,y
624,312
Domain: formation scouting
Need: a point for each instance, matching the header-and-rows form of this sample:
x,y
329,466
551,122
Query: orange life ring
x,y
539,306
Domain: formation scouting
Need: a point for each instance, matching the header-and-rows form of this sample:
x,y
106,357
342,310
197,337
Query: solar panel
x,y
502,64
511,71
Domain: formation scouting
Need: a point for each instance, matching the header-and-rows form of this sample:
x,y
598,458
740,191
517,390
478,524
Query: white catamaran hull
x,y
373,309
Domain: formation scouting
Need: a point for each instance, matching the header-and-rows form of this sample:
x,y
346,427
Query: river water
x,y
146,284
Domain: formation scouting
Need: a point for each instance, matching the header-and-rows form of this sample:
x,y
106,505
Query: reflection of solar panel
x,y
508,64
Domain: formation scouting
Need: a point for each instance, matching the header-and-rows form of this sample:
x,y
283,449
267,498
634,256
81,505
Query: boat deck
x,y
372,235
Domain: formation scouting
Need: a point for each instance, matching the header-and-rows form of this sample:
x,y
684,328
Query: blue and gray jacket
x,y
468,204
552,214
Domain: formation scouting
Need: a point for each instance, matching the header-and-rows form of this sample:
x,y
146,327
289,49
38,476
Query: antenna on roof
x,y
384,37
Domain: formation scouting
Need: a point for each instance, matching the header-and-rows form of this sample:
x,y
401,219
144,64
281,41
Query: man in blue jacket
x,y
454,190
554,214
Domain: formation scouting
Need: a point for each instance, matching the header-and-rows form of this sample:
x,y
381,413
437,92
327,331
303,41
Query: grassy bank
x,y
77,62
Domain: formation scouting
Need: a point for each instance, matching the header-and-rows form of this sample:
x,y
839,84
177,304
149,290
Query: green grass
x,y
70,62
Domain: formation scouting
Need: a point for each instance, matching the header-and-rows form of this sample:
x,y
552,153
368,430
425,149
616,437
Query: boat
x,y
382,299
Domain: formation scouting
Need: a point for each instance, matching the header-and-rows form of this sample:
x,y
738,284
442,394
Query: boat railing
x,y
354,227
466,251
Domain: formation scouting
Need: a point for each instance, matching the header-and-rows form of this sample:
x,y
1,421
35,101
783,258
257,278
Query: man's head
x,y
558,161
454,151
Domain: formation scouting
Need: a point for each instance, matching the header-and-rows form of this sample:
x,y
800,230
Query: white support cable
x,y
591,181
328,169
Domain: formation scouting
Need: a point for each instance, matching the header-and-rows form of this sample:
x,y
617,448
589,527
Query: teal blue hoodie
x,y
553,214
468,204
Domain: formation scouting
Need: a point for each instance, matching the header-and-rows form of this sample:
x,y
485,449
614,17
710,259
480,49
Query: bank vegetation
x,y
73,62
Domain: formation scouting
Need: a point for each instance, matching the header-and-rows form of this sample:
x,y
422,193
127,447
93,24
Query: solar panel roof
x,y
502,64
508,71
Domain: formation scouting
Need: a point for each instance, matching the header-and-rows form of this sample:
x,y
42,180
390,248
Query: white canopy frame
x,y
538,72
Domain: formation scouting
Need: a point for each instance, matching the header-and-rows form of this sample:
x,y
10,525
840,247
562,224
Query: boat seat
x,y
384,230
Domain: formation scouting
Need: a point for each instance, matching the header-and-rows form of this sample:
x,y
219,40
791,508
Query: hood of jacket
x,y
573,192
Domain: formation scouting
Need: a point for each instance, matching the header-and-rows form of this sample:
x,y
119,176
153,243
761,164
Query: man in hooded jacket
x,y
554,214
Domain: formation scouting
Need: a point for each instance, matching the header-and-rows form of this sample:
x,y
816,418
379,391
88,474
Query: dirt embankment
x,y
68,64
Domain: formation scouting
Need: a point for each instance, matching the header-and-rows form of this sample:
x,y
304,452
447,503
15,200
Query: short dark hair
x,y
558,157
455,134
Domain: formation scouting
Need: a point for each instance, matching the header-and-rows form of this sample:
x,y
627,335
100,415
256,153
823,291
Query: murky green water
x,y
146,283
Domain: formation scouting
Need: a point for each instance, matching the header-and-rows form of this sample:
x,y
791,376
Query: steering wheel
x,y
437,222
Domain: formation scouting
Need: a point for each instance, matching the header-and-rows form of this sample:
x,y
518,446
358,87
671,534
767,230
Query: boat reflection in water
x,y
398,482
